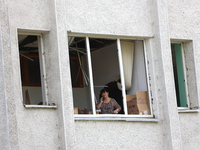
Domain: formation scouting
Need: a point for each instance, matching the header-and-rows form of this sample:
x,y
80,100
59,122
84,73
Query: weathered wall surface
x,y
8,118
184,25
128,18
118,135
121,17
34,125
190,130
4,46
36,128
55,128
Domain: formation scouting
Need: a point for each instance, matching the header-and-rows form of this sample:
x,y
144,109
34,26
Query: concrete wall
x,y
184,25
31,123
157,21
35,128
135,18
130,17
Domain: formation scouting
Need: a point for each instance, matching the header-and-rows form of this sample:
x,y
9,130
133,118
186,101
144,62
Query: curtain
x,y
127,49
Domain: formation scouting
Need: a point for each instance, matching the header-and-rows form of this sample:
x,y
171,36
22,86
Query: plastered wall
x,y
33,125
135,18
184,23
157,21
118,135
130,17
34,128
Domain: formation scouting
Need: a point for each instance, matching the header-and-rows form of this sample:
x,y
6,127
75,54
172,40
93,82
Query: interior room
x,y
30,69
105,70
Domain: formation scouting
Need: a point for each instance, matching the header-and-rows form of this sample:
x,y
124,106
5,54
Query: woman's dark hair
x,y
104,90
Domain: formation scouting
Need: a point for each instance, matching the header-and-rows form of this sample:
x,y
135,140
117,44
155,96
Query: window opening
x,y
105,70
179,78
133,59
105,57
30,66
77,76
81,93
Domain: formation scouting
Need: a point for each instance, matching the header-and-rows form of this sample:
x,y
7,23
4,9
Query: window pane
x,y
76,74
34,71
179,75
80,75
106,73
30,69
135,77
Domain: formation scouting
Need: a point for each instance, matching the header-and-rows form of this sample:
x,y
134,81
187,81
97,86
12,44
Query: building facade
x,y
66,40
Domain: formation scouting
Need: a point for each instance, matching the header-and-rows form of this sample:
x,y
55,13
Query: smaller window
x,y
179,74
31,72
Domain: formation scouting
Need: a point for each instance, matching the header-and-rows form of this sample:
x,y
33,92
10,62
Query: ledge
x,y
116,119
112,36
36,31
40,106
188,110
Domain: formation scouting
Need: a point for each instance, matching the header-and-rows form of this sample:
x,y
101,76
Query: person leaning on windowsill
x,y
108,105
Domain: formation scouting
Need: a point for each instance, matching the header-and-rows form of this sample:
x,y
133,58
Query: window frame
x,y
42,66
185,77
114,116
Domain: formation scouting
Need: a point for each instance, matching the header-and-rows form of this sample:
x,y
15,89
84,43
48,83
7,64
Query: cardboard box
x,y
77,111
141,109
142,97
130,97
139,98
138,104
86,111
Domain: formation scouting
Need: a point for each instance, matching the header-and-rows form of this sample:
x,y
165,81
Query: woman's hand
x,y
99,105
101,99
115,111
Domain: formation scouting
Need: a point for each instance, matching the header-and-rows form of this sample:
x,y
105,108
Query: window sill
x,y
139,118
40,106
188,110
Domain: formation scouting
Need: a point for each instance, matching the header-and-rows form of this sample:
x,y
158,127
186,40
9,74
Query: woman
x,y
108,105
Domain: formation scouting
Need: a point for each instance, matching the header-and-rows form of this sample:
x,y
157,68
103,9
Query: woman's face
x,y
104,95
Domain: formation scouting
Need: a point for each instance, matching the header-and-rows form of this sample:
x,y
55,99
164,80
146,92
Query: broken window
x,y
31,72
179,74
118,65
77,77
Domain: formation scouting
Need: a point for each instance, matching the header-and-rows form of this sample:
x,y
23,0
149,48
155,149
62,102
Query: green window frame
x,y
179,75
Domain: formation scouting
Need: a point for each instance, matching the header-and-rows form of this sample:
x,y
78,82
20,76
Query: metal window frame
x,y
185,76
114,116
42,64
